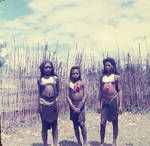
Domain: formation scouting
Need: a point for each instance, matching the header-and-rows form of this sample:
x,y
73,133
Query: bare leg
x,y
44,135
104,113
102,132
55,133
115,131
84,133
77,132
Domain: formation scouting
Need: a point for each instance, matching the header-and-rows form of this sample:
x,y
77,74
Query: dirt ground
x,y
134,130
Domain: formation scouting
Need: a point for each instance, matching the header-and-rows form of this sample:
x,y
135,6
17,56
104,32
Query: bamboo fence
x,y
18,82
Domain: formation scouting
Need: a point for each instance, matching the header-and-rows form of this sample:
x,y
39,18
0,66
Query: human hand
x,y
98,110
120,110
77,110
98,107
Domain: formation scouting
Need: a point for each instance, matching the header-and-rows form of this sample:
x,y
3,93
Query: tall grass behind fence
x,y
18,81
136,83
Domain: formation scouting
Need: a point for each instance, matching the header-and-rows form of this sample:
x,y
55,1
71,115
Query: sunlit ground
x,y
134,130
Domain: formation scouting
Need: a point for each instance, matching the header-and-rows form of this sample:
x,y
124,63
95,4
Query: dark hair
x,y
41,67
71,70
113,62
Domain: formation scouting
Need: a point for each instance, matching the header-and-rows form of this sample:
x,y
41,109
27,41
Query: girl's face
x,y
108,67
75,74
47,69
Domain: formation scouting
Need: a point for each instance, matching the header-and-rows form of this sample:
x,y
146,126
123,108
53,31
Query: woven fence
x,y
18,82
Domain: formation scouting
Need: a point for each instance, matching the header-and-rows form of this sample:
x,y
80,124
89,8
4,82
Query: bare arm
x,y
99,99
57,87
69,100
120,96
83,99
77,110
38,83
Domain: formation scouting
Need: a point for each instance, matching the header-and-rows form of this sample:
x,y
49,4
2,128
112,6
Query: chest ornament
x,y
75,86
49,80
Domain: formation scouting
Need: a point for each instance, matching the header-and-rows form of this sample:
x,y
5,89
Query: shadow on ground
x,y
95,143
72,143
68,143
38,144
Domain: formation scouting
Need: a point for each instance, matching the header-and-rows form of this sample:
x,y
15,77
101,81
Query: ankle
x,y
114,142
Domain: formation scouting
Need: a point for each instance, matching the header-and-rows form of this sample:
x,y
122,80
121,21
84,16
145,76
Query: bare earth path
x,y
134,130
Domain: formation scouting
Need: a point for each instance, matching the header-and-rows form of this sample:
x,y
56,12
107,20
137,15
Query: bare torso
x,y
48,90
108,86
77,93
48,87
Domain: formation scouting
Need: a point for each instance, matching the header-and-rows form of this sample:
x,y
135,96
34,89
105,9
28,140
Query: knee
x,y
44,129
115,122
54,125
103,123
55,129
75,126
82,124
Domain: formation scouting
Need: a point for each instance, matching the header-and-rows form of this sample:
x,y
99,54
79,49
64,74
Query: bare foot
x,y
85,144
55,144
102,144
114,144
79,143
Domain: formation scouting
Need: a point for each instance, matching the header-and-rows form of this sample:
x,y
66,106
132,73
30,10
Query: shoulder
x,y
117,77
70,85
101,77
55,78
81,83
38,80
